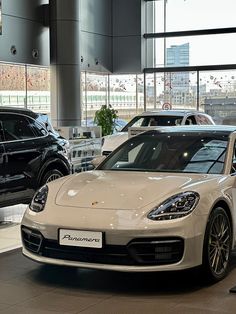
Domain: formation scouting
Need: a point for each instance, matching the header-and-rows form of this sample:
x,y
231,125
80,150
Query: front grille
x,y
109,254
106,152
138,252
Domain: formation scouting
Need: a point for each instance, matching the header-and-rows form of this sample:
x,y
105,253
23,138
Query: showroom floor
x,y
10,217
30,288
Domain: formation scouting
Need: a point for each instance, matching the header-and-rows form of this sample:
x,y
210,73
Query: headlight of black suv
x,y
39,200
177,206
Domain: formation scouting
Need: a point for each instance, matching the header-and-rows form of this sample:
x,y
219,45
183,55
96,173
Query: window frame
x,y
28,120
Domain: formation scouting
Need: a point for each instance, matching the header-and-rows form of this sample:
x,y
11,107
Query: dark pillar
x,y
65,62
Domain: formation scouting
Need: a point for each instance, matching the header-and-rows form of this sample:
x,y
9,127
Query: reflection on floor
x,y
27,287
10,217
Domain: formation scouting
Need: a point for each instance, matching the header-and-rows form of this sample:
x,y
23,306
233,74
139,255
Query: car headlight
x,y
177,206
39,200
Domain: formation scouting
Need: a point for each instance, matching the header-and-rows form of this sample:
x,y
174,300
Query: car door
x,y
24,150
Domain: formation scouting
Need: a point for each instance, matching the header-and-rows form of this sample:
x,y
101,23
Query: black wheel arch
x,y
53,163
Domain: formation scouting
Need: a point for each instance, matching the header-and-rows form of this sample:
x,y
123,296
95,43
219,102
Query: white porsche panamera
x,y
163,200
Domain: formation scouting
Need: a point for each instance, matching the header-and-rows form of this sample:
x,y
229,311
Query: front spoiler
x,y
122,268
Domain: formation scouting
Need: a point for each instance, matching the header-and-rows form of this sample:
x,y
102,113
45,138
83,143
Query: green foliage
x,y
105,117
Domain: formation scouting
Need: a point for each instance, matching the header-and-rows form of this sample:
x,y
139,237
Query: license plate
x,y
91,239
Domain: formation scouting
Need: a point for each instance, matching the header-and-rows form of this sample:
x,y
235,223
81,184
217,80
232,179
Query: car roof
x,y
24,111
208,129
170,113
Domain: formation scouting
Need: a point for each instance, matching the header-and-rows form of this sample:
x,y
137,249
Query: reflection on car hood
x,y
124,189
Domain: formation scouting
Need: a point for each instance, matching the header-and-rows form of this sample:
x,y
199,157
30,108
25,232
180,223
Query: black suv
x,y
31,154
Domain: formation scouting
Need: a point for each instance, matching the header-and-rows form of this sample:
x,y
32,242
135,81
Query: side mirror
x,y
96,161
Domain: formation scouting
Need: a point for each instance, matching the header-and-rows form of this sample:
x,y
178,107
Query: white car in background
x,y
151,120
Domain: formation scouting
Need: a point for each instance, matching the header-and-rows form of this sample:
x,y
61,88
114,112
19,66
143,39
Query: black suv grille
x,y
143,251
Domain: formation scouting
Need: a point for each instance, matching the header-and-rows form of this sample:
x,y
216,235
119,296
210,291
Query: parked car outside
x,y
152,119
30,156
164,200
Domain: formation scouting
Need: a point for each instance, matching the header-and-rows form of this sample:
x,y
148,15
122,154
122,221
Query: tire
x,y
51,175
217,246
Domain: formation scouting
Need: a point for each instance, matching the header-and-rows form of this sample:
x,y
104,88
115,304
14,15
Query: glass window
x,y
37,128
162,120
16,127
94,89
38,88
202,119
166,152
218,95
183,15
193,51
123,95
190,120
12,84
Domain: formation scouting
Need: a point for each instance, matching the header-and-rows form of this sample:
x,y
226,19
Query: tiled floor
x,y
30,288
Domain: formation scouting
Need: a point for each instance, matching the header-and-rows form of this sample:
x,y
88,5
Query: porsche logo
x,y
94,203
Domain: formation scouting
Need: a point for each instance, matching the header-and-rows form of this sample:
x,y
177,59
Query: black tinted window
x,y
16,127
154,120
190,120
37,127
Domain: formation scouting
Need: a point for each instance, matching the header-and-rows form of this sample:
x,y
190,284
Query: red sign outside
x,y
166,106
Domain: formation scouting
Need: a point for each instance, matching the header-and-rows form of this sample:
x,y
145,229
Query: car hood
x,y
114,140
125,190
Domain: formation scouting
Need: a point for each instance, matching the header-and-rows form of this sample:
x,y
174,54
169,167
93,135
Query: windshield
x,y
170,152
44,119
153,121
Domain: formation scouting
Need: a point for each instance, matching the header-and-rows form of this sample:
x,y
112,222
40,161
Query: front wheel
x,y
51,175
217,245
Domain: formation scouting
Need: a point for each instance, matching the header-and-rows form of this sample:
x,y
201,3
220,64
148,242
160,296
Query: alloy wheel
x,y
219,244
53,177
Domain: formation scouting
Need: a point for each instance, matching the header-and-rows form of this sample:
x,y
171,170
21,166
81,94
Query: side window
x,y
202,119
153,122
140,122
37,128
16,127
190,120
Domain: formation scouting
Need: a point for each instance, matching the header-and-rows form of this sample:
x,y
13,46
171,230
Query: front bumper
x,y
175,245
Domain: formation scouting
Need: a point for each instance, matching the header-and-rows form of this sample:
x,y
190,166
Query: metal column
x,y
65,62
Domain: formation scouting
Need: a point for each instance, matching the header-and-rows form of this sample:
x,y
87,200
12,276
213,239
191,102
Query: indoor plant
x,y
105,117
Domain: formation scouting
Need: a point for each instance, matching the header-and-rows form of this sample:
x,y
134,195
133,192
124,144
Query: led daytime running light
x,y
177,206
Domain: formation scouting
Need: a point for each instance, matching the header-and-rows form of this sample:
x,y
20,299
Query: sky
x,y
200,14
